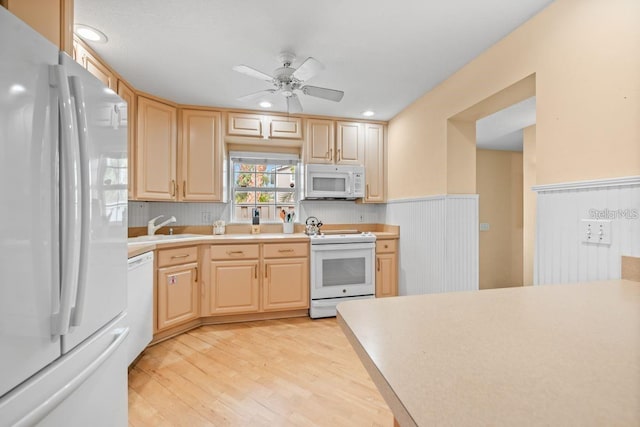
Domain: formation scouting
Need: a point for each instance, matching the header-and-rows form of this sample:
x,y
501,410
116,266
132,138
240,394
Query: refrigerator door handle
x,y
77,93
39,412
69,203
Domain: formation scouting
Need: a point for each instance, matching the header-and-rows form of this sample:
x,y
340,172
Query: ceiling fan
x,y
288,80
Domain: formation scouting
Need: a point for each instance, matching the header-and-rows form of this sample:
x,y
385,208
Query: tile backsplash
x,y
328,211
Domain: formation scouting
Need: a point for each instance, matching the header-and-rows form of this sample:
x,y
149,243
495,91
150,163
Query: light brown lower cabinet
x,y
233,287
254,278
285,284
386,268
178,294
177,287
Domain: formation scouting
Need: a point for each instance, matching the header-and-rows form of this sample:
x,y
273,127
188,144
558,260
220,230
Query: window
x,y
264,181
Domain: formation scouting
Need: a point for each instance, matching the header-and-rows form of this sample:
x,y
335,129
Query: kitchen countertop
x,y
139,245
537,355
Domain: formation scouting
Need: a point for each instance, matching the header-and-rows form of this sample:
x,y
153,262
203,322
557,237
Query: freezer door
x,y
29,288
85,387
102,132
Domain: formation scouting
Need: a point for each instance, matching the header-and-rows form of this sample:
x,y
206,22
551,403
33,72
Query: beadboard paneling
x,y
438,247
337,212
561,256
462,251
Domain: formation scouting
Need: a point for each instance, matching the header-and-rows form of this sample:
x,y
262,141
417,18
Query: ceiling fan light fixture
x,y
368,113
265,104
90,34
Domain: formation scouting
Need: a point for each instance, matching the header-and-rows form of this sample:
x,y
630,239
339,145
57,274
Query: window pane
x,y
265,180
266,197
286,197
242,197
244,179
285,180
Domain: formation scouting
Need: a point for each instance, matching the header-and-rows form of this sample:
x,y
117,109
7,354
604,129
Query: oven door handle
x,y
342,247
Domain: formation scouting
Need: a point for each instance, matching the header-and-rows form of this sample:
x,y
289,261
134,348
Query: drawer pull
x,y
386,246
179,256
235,253
285,250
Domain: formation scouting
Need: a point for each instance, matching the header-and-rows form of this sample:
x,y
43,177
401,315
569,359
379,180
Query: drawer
x,y
169,257
285,250
386,246
235,251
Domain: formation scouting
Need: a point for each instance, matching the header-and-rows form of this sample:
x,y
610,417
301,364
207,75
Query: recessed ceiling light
x,y
368,113
265,104
16,89
90,34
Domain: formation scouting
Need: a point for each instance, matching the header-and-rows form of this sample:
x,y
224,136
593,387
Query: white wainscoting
x,y
561,256
438,243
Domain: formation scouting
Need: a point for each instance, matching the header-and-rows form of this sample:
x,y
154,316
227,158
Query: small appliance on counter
x,y
219,227
312,226
255,221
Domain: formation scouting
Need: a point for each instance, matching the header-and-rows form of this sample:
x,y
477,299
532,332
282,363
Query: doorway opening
x,y
500,165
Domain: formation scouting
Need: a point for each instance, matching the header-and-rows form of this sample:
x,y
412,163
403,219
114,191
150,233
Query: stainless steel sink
x,y
163,237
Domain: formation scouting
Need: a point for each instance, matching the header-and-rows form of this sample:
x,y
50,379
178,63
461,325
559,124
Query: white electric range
x,y
342,269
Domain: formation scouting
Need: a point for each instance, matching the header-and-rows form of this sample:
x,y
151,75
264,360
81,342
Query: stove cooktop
x,y
320,239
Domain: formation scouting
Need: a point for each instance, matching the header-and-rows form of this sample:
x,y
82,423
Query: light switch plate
x,y
484,226
595,231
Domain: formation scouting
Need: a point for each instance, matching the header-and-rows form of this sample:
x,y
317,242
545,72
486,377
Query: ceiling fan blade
x,y
309,68
252,72
255,95
323,92
293,104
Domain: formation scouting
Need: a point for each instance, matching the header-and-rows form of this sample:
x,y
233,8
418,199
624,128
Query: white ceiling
x,y
382,54
503,130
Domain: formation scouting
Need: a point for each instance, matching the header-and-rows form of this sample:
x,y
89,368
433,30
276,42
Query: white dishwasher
x,y
139,304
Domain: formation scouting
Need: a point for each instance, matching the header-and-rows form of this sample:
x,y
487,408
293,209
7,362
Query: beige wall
x,y
584,54
529,203
499,185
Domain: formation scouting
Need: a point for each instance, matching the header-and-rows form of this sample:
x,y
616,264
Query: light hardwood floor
x,y
294,372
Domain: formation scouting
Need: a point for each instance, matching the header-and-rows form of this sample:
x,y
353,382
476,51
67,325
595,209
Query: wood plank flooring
x,y
293,372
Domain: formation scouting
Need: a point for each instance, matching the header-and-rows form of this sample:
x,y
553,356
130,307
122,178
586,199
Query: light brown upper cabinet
x,y
129,96
349,143
94,65
374,158
329,142
200,171
264,126
320,141
51,18
156,148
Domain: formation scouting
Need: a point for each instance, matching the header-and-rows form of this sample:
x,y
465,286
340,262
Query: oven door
x,y
342,270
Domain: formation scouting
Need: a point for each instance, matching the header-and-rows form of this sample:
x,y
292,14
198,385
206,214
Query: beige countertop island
x,y
542,355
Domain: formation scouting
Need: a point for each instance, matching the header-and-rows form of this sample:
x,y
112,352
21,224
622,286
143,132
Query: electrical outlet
x,y
484,226
207,217
596,231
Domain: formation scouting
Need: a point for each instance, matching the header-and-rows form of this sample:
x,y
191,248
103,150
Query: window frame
x,y
235,157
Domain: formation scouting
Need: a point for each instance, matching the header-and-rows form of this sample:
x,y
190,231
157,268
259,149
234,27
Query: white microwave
x,y
333,182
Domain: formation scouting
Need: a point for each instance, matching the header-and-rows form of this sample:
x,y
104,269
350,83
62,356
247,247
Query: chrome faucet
x,y
152,227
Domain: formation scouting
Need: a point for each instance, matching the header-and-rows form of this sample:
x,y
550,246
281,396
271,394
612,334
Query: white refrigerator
x,y
63,229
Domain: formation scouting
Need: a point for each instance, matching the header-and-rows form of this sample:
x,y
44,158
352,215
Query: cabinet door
x,y
127,115
233,287
200,172
94,66
320,141
156,147
286,284
374,154
386,275
241,124
177,295
285,127
349,143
